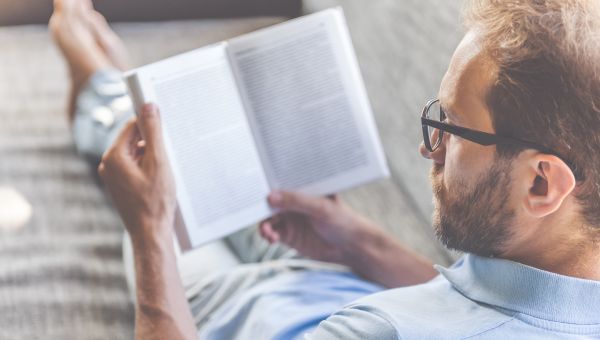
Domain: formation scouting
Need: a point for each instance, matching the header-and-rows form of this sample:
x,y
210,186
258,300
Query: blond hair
x,y
548,84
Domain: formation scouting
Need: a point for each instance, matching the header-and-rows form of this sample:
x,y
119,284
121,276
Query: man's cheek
x,y
460,161
449,174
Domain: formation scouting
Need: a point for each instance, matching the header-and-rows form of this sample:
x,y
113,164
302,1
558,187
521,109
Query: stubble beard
x,y
474,217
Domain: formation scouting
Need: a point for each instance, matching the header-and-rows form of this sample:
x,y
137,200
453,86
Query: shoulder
x,y
431,310
355,323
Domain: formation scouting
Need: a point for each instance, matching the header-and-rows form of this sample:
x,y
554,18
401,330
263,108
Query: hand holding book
x,y
138,178
325,229
321,228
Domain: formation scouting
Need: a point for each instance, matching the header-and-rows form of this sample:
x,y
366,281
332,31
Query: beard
x,y
474,217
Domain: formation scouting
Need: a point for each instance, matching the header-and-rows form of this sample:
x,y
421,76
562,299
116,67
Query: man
x,y
516,178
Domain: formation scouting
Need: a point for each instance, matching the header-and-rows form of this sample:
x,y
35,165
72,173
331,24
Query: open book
x,y
280,108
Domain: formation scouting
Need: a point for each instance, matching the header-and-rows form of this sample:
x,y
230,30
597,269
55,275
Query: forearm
x,y
379,257
162,310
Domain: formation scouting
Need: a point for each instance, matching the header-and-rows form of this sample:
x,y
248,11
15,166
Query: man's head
x,y
527,69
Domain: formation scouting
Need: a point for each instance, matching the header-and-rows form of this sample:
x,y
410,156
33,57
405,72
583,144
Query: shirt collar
x,y
523,289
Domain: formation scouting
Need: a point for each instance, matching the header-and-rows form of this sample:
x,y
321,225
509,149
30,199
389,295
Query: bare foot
x,y
109,41
71,31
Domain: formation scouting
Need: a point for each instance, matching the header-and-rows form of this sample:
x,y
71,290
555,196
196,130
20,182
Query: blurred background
x,y
61,273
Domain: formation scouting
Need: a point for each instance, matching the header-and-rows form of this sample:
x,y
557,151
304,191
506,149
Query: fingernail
x,y
149,108
275,198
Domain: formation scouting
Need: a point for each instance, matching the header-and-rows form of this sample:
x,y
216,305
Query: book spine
x,y
135,91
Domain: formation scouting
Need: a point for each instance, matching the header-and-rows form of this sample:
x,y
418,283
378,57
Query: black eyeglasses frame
x,y
476,136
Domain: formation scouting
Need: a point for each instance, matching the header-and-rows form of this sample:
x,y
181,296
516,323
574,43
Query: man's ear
x,y
550,182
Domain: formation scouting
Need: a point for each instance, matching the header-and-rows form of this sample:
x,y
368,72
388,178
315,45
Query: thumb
x,y
150,128
318,207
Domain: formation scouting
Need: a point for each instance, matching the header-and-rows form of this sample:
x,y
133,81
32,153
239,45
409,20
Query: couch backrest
x,y
22,12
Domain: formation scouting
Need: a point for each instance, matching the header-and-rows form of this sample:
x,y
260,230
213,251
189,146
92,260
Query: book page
x,y
221,185
307,105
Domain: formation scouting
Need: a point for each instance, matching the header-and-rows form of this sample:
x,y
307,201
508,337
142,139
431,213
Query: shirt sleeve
x,y
354,323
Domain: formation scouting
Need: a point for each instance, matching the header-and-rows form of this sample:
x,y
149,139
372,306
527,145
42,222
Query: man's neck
x,y
565,249
583,265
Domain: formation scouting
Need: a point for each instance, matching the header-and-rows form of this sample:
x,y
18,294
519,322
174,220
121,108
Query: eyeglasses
x,y
433,118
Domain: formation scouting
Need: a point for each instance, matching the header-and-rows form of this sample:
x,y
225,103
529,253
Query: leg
x,y
100,107
69,25
110,43
98,103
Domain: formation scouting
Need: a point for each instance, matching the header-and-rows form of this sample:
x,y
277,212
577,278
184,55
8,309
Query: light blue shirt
x,y
479,298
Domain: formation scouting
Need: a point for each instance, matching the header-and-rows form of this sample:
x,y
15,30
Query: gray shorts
x,y
102,109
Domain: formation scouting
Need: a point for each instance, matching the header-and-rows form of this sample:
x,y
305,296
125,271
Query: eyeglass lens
x,y
435,112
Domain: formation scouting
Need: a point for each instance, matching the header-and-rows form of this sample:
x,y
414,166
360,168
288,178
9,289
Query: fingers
x,y
150,128
317,207
268,232
122,152
270,229
127,140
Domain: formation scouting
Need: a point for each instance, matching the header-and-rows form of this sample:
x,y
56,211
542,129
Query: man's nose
x,y
424,152
438,155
